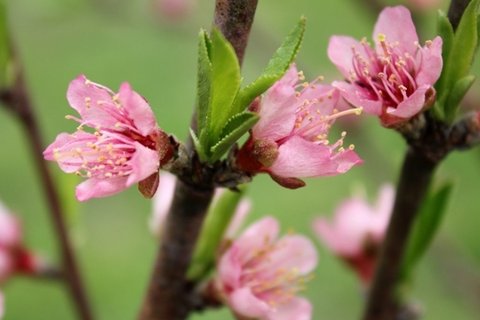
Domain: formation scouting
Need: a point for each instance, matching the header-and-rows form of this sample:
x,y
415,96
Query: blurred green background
x,y
116,40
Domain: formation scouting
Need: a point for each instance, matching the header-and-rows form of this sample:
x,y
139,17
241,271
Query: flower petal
x,y
241,212
359,97
162,201
296,309
410,106
299,158
431,63
277,108
294,252
98,188
244,302
6,265
340,52
92,102
397,25
138,109
144,162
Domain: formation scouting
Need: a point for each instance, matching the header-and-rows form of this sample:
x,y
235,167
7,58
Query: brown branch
x,y
455,11
415,177
18,101
171,296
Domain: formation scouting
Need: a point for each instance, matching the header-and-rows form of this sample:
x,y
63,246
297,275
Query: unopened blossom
x,y
14,257
260,274
394,80
357,231
162,202
125,145
174,10
290,141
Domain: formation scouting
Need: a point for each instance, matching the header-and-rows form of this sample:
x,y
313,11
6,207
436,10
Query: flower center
x,y
389,74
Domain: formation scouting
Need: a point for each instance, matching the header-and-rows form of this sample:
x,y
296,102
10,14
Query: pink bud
x,y
357,231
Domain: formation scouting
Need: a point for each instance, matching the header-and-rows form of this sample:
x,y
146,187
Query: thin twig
x,y
18,101
171,296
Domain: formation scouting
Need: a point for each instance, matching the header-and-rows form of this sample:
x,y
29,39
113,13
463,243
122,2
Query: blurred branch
x,y
170,294
429,141
17,100
455,11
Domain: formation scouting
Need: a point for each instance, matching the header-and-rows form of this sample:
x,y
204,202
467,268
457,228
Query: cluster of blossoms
x,y
126,146
259,274
14,257
290,141
357,231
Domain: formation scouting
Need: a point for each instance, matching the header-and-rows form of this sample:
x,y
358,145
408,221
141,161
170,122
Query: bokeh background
x,y
117,40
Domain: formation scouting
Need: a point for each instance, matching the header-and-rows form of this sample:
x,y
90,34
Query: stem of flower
x,y
18,100
171,296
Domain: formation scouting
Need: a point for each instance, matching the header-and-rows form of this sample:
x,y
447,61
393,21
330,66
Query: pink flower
x,y
394,80
174,9
260,275
290,140
14,258
126,146
357,231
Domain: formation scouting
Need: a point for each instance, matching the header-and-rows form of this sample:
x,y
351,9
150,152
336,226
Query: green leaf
x,y
204,79
460,56
458,91
4,44
235,128
225,84
275,69
198,146
216,223
445,31
426,225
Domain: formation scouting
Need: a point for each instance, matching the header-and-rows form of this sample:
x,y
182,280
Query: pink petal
x,y
294,252
301,158
258,235
138,109
340,52
359,97
6,265
397,25
144,162
84,96
296,309
410,106
2,306
10,230
98,188
244,302
241,212
277,108
431,63
230,269
162,201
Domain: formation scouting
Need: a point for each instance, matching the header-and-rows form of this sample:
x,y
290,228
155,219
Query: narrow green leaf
x,y
275,69
425,227
225,84
204,79
4,44
216,223
445,31
461,55
458,91
235,128
198,146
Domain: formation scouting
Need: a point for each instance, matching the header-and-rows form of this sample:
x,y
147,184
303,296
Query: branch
x,y
455,11
417,171
171,296
18,101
